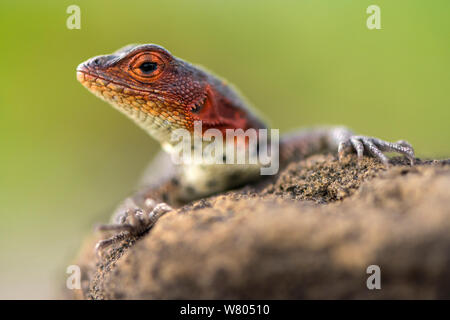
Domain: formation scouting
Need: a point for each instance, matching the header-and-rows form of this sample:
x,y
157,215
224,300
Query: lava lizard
x,y
163,93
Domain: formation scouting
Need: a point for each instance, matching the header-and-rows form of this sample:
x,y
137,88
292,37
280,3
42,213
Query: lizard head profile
x,y
161,92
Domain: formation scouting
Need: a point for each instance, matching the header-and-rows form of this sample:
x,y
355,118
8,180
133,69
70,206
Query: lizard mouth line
x,y
96,76
124,86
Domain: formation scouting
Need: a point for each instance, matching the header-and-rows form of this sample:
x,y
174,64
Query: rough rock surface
x,y
310,233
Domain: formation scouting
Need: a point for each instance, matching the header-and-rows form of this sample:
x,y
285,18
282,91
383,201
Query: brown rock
x,y
310,233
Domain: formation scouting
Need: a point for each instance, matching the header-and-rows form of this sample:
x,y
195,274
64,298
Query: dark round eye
x,y
148,67
196,108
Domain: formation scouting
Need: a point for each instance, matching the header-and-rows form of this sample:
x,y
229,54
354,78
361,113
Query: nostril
x,y
95,62
99,61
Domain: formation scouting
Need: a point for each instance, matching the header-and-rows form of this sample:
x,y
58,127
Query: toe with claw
x,y
133,222
375,147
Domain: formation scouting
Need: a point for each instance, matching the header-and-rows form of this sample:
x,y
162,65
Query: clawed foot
x,y
375,147
133,222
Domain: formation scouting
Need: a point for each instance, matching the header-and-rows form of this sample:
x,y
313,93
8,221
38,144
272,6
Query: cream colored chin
x,y
158,128
155,126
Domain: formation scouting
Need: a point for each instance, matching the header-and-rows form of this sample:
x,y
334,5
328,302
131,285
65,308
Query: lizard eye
x,y
197,108
146,67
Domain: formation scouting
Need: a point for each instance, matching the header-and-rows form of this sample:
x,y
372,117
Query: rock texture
x,y
310,233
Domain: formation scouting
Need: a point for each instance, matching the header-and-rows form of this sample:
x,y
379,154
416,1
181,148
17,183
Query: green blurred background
x,y
67,158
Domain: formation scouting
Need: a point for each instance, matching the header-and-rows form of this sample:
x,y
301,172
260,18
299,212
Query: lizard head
x,y
161,92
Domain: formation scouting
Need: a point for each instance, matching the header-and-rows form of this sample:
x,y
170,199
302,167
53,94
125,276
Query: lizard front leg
x,y
137,214
310,141
157,194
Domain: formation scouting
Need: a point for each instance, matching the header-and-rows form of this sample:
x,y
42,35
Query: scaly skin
x,y
173,96
162,93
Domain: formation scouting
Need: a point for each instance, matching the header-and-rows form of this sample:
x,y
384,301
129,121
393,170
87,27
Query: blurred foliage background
x,y
67,158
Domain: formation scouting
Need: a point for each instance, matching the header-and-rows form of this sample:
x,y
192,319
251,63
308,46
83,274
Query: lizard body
x,y
162,93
